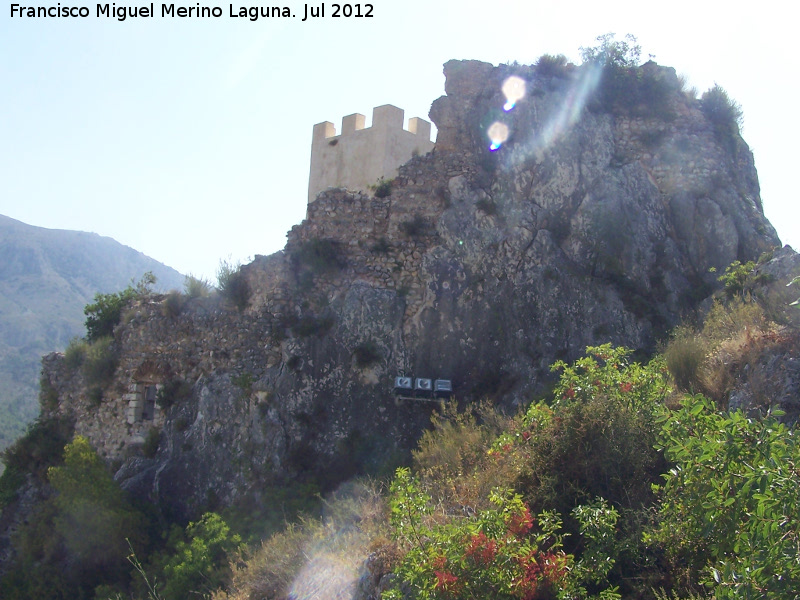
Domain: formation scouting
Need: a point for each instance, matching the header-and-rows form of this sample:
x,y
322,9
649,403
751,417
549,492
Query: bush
x,y
232,284
106,312
100,362
685,355
729,508
195,287
625,86
383,188
551,66
723,112
173,304
75,353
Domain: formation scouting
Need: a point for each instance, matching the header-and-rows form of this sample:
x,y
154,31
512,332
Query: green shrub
x,y
173,304
684,356
383,187
729,507
195,287
75,353
106,312
200,562
100,362
551,66
232,284
625,86
740,279
723,112
501,552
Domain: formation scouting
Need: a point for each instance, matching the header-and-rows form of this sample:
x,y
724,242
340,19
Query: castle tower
x,y
359,156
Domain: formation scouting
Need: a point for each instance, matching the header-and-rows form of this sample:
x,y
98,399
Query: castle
x,y
358,157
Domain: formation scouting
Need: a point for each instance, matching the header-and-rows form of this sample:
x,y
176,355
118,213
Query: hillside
x,y
595,213
46,278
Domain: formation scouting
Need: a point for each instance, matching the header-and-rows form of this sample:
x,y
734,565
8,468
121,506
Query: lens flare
x,y
514,91
498,134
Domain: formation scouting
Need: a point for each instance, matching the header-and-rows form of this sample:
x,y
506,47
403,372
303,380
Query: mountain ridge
x,y
47,276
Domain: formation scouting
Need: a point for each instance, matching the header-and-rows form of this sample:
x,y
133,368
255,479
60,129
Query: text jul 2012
x,y
252,13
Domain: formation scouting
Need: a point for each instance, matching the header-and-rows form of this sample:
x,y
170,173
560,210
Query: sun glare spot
x,y
514,91
498,134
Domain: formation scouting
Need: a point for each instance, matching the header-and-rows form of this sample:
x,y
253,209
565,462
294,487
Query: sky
x,y
189,138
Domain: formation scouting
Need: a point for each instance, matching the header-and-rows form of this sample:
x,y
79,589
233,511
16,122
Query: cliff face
x,y
584,227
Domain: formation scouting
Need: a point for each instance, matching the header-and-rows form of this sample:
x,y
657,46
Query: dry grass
x,y
315,559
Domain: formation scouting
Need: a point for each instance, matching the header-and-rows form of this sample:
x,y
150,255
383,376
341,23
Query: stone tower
x,y
359,156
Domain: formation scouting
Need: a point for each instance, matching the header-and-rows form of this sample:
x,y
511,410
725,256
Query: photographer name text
x,y
197,11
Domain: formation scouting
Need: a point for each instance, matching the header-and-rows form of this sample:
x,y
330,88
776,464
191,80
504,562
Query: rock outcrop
x,y
483,267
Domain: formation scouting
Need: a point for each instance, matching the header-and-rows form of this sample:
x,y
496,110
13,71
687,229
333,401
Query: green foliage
x,y
75,353
740,279
75,540
684,356
723,112
173,304
232,284
610,51
196,287
39,448
551,66
624,85
199,563
729,506
502,552
383,188
106,311
94,518
100,362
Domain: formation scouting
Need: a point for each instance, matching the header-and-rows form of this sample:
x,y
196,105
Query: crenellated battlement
x,y
359,155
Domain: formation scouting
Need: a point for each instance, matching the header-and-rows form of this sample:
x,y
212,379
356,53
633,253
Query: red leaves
x,y
481,549
446,582
520,524
542,573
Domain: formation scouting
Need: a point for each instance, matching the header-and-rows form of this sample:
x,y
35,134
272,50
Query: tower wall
x,y
359,156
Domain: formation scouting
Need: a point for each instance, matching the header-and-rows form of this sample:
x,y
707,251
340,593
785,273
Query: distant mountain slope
x,y
47,276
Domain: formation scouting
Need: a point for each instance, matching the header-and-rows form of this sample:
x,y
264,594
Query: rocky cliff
x,y
586,224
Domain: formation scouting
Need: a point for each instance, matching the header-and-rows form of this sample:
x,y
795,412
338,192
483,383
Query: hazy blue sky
x,y
189,139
